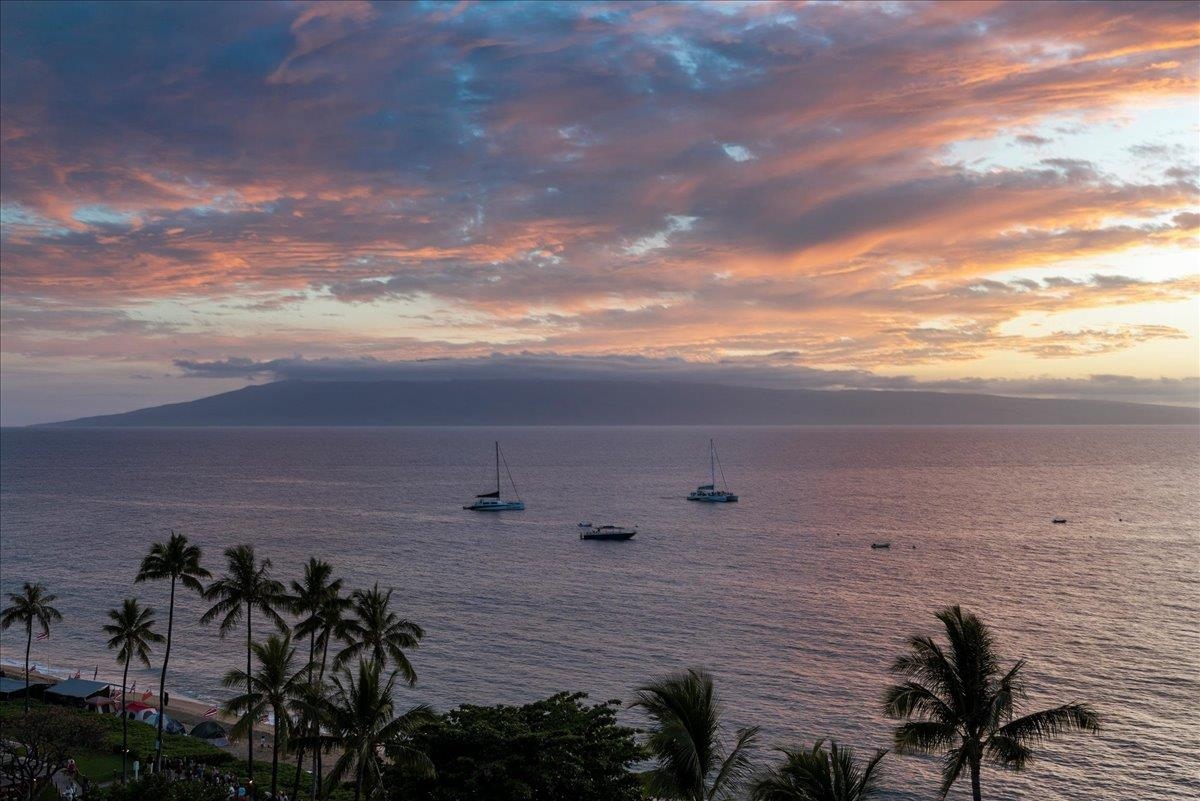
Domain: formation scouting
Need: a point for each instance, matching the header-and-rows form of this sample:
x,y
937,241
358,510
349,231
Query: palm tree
x,y
130,635
686,740
378,633
819,774
177,560
246,586
30,605
336,623
958,703
309,600
277,683
360,716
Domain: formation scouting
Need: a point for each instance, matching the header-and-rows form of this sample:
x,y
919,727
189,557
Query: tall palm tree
x,y
378,633
177,560
687,741
274,687
30,605
361,717
247,585
130,635
819,774
308,600
957,702
335,622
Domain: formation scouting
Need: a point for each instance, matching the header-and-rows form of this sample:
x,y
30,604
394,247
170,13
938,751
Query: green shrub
x,y
157,788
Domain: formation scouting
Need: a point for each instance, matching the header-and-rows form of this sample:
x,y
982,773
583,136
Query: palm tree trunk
x,y
358,783
124,727
275,757
312,652
320,775
28,645
162,680
249,692
976,793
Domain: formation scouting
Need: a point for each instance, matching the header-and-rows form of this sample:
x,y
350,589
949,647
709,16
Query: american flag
x,y
210,712
146,695
45,635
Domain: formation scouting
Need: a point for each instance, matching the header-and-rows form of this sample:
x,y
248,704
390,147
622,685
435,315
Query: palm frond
x,y
1047,723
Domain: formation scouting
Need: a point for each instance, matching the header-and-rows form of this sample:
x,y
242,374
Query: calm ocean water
x,y
779,595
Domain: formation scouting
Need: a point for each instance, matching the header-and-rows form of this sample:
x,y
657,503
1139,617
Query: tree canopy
x,y
559,747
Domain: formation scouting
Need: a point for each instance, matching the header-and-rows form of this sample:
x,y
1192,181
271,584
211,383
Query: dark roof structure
x,y
77,689
15,688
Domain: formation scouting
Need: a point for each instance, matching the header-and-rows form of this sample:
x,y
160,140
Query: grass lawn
x,y
100,768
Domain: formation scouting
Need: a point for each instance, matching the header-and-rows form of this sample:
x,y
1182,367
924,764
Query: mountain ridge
x,y
465,401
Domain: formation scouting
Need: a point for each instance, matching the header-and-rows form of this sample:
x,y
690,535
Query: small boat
x,y
491,501
708,493
590,532
1059,520
877,546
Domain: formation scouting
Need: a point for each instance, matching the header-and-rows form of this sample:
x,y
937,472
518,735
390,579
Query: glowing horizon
x,y
935,193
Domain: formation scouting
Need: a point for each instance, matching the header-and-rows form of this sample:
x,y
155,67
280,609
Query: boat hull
x,y
713,498
507,506
616,536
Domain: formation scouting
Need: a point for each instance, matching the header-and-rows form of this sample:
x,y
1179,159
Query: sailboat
x,y
491,501
708,493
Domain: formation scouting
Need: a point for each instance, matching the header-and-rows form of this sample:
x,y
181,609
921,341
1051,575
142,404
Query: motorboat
x,y
708,493
880,546
1059,520
589,532
491,501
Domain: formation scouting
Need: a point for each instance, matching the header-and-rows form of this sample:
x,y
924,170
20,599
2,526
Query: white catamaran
x,y
708,493
491,501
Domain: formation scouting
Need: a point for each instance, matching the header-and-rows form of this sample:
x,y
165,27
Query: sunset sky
x,y
988,197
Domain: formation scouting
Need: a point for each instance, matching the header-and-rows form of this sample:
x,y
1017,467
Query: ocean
x,y
779,595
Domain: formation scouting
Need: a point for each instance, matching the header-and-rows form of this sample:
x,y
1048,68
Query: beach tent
x,y
75,691
170,725
211,731
104,705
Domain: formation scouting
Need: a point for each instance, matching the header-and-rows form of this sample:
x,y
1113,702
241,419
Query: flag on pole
x,y
210,712
45,635
146,695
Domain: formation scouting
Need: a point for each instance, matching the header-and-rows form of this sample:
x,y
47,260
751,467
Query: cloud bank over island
x,y
771,372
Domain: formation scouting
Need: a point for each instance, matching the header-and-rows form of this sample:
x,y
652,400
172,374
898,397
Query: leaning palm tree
x,y
378,633
274,687
309,600
246,586
819,774
29,606
958,703
361,718
177,560
686,740
130,635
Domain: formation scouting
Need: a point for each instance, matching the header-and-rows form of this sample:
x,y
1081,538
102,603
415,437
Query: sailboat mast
x,y
712,464
497,468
